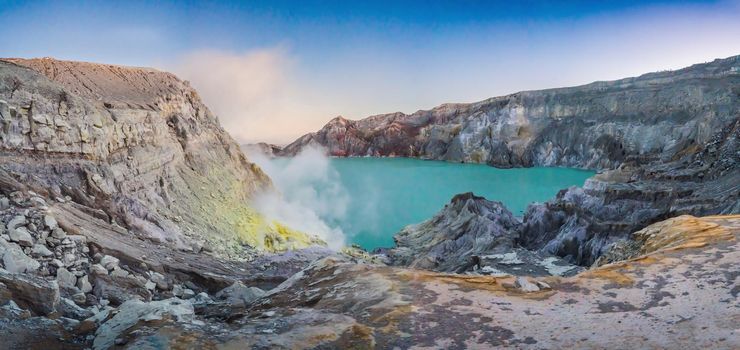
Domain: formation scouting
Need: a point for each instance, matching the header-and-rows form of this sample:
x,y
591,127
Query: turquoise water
x,y
382,195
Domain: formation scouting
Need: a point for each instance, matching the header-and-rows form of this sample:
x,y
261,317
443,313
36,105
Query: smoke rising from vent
x,y
308,197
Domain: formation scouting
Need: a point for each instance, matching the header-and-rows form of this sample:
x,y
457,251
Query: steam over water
x,y
367,200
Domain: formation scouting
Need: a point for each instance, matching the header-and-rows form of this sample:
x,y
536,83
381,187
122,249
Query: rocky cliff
x,y
666,144
599,126
138,144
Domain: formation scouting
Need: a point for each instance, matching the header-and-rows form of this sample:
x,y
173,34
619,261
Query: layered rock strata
x,y
140,146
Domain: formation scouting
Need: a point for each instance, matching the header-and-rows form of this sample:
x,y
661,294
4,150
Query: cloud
x,y
255,94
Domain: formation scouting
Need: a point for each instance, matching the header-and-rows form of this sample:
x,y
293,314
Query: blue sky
x,y
273,70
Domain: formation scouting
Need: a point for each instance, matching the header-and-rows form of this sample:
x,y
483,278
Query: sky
x,y
274,70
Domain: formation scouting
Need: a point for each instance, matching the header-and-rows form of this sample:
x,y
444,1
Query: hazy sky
x,y
273,70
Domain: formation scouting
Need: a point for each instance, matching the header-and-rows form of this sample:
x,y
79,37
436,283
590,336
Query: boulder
x,y
98,270
41,250
160,280
83,283
15,260
119,289
134,311
69,309
21,235
50,222
523,284
66,278
35,293
239,295
109,262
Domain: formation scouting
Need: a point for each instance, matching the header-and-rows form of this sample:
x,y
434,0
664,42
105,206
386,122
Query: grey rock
x,y
119,289
21,235
58,233
17,221
69,309
109,262
150,285
50,222
41,250
15,260
525,285
119,273
4,203
98,270
239,294
83,283
134,311
35,293
160,280
66,278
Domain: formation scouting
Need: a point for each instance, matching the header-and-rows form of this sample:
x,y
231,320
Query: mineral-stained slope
x,y
680,296
138,144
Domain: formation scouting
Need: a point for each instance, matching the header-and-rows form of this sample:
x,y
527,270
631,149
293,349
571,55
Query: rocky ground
x,y
124,223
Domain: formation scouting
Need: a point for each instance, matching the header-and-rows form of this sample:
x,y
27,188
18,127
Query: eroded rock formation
x,y
139,146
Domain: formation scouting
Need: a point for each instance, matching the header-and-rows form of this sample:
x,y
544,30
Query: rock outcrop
x,y
137,145
472,235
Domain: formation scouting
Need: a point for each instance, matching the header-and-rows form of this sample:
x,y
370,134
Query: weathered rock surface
x,y
137,145
472,234
655,301
667,144
33,292
599,125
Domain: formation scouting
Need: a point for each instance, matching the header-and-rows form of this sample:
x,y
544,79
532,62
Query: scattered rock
x,y
239,294
134,311
41,250
21,235
525,285
109,262
66,278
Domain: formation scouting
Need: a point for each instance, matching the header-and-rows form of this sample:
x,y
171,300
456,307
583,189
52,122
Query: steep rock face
x,y
598,126
580,223
138,144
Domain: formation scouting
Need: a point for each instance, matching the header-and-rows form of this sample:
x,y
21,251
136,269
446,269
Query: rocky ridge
x,y
139,146
666,144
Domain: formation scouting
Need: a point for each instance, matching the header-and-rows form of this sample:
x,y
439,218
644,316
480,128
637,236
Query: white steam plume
x,y
310,199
